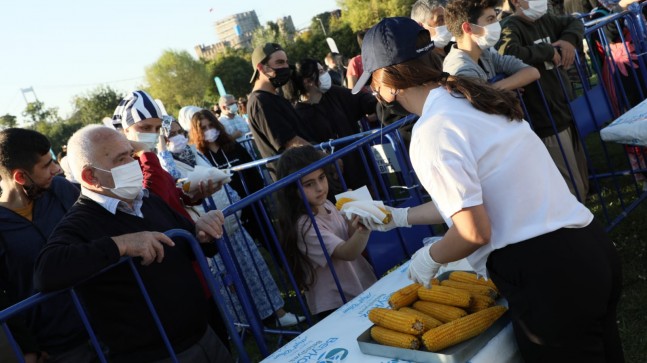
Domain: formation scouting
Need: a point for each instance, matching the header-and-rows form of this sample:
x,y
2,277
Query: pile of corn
x,y
449,312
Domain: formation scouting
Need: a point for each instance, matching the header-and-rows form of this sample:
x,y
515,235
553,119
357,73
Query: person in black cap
x,y
274,122
508,209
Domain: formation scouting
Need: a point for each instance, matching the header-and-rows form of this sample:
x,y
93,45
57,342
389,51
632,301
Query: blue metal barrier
x,y
41,298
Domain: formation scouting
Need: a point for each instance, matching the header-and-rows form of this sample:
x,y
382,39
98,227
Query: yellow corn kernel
x,y
427,320
445,295
444,313
480,302
404,297
396,320
461,329
472,288
471,278
394,338
342,201
434,281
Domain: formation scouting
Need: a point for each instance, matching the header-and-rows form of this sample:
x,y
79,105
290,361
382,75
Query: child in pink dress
x,y
344,241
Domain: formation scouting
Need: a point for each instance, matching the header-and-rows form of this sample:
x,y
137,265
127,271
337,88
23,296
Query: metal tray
x,y
459,353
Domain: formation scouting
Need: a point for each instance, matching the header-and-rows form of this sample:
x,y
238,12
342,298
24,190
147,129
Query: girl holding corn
x,y
508,209
343,241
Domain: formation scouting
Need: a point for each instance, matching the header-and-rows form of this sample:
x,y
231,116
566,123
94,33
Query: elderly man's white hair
x,y
79,147
421,9
224,99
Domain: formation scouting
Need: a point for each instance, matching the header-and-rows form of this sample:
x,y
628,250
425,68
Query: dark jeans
x,y
563,289
209,349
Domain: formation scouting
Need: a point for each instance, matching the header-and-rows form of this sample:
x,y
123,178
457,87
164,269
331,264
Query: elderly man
x,y
235,125
115,217
430,14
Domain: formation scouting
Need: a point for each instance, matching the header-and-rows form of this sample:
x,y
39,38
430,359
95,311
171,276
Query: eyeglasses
x,y
376,94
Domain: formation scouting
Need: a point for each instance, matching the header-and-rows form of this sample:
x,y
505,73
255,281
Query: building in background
x,y
210,51
286,27
237,29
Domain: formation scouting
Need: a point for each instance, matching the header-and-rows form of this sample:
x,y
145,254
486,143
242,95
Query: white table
x,y
630,128
335,337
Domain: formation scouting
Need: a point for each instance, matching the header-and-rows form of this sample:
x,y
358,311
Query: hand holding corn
x,y
398,219
423,268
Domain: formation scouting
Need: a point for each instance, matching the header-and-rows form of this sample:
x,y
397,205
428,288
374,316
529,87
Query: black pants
x,y
563,289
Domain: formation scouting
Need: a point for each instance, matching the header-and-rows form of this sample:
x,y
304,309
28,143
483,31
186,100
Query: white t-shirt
x,y
465,157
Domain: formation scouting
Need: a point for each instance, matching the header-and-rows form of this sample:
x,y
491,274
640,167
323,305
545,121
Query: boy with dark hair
x,y
476,28
547,42
32,202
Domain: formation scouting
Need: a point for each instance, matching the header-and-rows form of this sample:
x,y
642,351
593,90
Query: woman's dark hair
x,y
291,208
196,135
304,69
428,68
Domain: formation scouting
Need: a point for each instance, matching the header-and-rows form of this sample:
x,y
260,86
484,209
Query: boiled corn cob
x,y
373,209
404,297
472,288
394,338
480,302
471,278
396,320
434,281
461,329
444,313
429,322
445,295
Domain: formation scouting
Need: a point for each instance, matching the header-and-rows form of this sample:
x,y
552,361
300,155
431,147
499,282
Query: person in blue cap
x,y
509,211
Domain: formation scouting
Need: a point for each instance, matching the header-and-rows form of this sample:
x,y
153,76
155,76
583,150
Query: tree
x,y
92,107
270,33
177,80
8,121
362,14
234,71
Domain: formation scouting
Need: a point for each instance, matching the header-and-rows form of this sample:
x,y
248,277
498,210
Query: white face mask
x,y
325,82
128,180
211,135
492,33
233,108
536,9
148,138
442,37
177,143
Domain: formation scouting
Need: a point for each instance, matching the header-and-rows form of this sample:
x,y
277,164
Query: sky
x,y
66,48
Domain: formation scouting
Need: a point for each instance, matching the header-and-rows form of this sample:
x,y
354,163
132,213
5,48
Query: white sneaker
x,y
289,319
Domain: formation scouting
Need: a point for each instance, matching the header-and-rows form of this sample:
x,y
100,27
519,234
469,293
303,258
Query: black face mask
x,y
33,190
281,76
389,112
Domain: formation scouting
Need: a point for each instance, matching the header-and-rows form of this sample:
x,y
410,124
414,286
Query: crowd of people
x,y
456,65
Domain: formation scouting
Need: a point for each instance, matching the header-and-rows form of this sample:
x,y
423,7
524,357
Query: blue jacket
x,y
54,326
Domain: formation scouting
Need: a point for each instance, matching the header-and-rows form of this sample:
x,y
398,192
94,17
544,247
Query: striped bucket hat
x,y
135,107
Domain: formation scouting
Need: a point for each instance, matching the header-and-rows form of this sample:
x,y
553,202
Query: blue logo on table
x,y
335,355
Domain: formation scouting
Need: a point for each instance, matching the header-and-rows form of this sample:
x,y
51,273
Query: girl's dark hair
x,y
196,136
291,208
428,68
304,69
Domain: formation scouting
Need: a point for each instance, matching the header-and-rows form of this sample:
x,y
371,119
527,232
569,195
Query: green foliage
x,y
8,121
37,113
92,107
177,79
57,132
234,69
362,14
270,33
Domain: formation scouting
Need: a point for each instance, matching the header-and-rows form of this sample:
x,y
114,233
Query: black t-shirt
x,y
273,121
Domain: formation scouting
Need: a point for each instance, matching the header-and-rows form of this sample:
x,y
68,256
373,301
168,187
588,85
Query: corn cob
x,y
426,319
370,208
480,302
396,320
434,281
445,295
404,297
394,338
444,313
472,288
471,278
461,329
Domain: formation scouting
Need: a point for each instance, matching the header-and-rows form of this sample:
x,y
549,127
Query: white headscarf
x,y
185,115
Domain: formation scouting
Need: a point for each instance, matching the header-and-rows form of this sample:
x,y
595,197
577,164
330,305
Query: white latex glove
x,y
423,268
398,219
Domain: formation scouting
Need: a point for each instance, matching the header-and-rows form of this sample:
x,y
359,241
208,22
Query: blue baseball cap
x,y
391,41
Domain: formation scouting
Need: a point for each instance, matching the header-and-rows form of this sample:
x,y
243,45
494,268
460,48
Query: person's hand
x,y
423,268
209,226
147,245
358,227
161,143
206,188
138,147
568,53
398,219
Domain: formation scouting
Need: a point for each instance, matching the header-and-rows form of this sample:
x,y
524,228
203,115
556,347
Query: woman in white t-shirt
x,y
508,209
